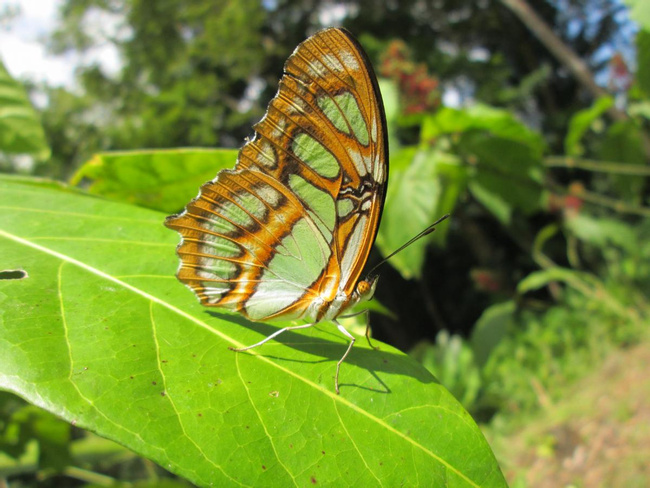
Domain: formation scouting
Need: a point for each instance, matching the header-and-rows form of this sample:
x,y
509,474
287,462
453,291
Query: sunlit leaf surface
x,y
102,334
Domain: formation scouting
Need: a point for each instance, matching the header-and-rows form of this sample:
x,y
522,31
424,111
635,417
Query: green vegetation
x,y
541,273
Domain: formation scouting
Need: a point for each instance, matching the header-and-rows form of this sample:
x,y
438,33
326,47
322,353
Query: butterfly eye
x,y
363,287
366,288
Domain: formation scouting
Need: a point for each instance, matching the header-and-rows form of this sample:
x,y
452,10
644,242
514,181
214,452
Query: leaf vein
x,y
259,416
338,414
169,398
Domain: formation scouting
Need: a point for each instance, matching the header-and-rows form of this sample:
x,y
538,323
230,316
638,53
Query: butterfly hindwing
x,y
289,229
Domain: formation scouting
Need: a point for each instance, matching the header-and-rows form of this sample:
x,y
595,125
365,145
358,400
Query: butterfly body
x,y
286,233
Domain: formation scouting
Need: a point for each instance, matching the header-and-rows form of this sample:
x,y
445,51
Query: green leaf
x,y
623,142
640,109
507,174
21,131
101,334
602,232
482,118
640,12
643,56
491,327
424,185
23,425
390,97
581,122
540,279
452,361
158,179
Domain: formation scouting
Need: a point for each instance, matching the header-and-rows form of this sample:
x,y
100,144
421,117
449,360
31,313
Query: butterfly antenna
x,y
425,232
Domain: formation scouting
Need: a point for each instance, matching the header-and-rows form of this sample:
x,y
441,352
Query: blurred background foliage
x,y
528,122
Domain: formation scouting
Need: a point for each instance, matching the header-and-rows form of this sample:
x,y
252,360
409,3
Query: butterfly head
x,y
366,288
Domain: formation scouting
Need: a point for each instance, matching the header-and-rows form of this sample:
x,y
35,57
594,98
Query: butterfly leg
x,y
275,334
367,312
368,331
338,365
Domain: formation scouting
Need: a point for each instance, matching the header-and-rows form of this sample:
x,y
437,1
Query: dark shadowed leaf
x,y
623,142
507,174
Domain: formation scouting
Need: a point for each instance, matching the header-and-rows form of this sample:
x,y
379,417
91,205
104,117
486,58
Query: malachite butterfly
x,y
287,232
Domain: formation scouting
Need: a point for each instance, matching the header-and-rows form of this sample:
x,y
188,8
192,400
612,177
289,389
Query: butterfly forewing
x,y
290,228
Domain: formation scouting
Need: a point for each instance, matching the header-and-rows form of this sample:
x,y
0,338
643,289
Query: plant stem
x,y
599,166
89,476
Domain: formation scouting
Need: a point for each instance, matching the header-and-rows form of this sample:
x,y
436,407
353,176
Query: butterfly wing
x,y
287,232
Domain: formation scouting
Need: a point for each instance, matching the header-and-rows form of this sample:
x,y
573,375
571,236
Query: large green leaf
x,y
21,131
100,333
424,185
390,97
159,179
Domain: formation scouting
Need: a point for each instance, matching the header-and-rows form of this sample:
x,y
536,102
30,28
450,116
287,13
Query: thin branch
x,y
560,50
596,165
601,200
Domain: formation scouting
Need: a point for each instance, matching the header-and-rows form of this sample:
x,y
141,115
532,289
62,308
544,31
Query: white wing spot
x,y
333,63
368,163
358,161
349,60
265,156
278,129
379,172
269,194
317,69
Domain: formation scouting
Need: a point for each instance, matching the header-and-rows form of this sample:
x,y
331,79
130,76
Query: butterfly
x,y
287,232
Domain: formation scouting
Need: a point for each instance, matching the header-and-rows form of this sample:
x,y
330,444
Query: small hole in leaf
x,y
13,274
